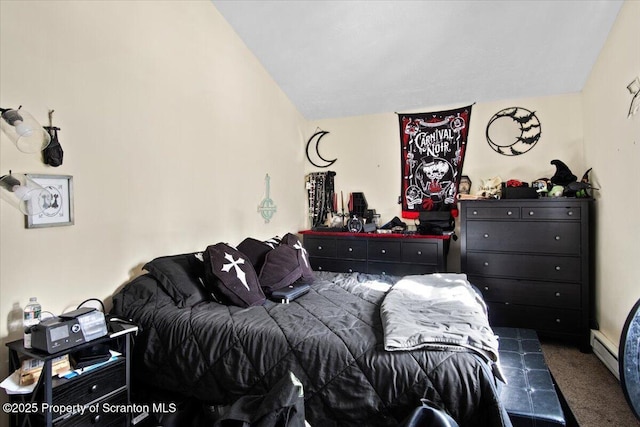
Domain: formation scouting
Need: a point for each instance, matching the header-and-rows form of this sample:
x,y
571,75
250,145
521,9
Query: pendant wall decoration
x,y
513,131
314,144
267,208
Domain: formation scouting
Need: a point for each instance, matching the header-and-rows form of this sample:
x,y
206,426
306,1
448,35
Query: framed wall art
x,y
58,206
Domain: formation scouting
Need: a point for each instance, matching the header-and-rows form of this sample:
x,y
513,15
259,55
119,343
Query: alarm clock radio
x,y
68,330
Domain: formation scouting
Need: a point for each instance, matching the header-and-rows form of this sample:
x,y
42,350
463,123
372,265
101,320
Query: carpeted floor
x,y
592,392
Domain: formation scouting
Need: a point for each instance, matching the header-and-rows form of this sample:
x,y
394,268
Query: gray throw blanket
x,y
437,311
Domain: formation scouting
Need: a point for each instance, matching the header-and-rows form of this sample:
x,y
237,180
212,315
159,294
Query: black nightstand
x,y
97,397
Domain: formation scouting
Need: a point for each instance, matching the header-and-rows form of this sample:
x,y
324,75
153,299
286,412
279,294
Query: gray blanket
x,y
438,311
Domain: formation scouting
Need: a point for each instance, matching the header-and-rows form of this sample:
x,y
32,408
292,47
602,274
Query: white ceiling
x,y
345,58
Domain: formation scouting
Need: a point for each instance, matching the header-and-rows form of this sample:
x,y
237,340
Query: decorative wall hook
x,y
52,155
634,89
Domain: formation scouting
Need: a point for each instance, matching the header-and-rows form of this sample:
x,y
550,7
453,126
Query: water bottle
x,y
31,317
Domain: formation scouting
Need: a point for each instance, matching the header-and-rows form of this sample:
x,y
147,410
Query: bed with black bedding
x,y
199,345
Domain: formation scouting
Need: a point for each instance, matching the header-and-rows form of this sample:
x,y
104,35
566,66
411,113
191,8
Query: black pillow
x,y
181,277
228,272
303,257
281,268
255,250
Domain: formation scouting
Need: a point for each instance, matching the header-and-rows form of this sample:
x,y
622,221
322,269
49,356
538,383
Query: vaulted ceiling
x,y
347,58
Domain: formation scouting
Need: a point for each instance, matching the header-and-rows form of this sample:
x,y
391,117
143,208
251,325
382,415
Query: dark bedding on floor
x,y
330,338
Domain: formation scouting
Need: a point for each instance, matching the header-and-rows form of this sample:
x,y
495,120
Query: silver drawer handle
x,y
486,264
383,251
319,268
350,270
557,268
384,273
531,213
486,288
570,213
557,294
319,248
557,320
509,213
350,249
557,237
474,213
486,235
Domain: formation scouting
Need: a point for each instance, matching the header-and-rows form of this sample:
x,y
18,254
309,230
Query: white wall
x,y
612,147
169,126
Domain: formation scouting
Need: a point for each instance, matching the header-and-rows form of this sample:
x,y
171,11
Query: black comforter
x,y
331,339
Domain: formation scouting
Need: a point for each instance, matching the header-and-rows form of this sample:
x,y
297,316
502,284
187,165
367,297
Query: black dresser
x,y
533,261
393,254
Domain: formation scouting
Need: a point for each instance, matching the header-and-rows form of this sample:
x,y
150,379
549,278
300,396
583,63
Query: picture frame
x,y
59,209
464,187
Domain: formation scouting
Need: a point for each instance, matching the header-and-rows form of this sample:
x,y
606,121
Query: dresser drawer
x,y
89,386
384,250
525,236
107,414
493,212
396,269
539,318
420,252
337,265
320,246
352,249
523,266
550,294
569,213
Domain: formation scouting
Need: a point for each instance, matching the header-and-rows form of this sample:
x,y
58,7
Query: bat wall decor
x,y
513,131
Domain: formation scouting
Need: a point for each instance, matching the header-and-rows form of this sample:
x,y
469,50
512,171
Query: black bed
x,y
331,339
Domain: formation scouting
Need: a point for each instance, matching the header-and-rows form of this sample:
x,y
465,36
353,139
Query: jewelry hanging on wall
x,y
320,194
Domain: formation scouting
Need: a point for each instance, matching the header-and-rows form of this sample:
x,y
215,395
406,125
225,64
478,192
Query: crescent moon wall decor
x,y
314,142
513,131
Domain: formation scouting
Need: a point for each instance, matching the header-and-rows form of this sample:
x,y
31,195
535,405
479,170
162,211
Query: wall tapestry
x,y
432,153
513,131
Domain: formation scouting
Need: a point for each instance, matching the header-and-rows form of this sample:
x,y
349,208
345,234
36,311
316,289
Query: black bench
x,y
529,396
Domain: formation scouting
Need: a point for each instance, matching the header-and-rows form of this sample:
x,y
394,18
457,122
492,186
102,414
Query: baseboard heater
x,y
606,352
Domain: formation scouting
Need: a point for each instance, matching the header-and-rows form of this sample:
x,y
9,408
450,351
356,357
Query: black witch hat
x,y
563,175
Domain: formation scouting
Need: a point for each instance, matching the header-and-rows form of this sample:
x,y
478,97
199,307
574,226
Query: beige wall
x,y
169,126
612,147
368,151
